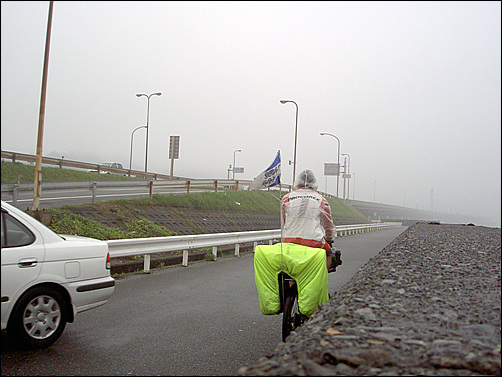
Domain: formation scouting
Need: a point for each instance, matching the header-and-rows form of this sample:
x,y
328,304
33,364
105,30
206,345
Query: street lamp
x,y
337,161
233,169
348,177
130,155
147,118
296,133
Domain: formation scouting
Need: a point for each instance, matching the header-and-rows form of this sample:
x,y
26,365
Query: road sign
x,y
238,169
331,168
174,147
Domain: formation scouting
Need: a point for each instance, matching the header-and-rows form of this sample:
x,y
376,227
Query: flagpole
x,y
280,182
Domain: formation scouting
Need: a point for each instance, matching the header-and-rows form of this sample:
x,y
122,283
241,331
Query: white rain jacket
x,y
306,214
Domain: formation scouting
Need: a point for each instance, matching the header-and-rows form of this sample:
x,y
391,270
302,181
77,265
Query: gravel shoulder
x,y
427,304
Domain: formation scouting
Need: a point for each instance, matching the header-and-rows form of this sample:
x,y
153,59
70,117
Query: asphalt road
x,y
203,319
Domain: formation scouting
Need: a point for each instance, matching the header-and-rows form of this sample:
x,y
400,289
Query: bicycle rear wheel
x,y
291,317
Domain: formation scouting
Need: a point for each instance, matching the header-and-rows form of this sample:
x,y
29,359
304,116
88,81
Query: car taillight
x,y
108,261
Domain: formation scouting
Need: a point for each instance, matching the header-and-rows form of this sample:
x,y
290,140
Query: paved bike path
x,y
203,319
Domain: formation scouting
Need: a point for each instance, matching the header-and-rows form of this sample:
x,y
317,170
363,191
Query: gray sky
x,y
411,89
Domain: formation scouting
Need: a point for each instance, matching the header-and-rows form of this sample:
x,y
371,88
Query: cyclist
x,y
306,217
307,227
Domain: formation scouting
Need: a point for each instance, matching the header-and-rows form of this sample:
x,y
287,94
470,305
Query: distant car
x,y
116,165
48,278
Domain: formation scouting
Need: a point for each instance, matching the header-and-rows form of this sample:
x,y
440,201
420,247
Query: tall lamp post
x,y
337,161
147,119
233,169
348,177
130,155
296,135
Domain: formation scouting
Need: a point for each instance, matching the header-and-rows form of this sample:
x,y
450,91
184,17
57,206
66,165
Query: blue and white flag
x,y
270,177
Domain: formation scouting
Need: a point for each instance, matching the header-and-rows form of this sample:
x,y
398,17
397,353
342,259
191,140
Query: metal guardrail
x,y
148,246
164,179
154,180
211,184
61,162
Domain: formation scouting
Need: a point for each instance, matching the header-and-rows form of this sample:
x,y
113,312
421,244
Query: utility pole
x,y
37,189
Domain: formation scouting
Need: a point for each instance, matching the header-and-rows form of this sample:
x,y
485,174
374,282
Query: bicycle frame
x,y
288,294
292,318
285,288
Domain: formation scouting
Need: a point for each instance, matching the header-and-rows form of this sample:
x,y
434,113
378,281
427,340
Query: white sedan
x,y
114,165
48,278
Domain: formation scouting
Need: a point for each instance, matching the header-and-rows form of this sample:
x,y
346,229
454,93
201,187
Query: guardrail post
x,y
14,194
255,243
93,189
146,263
237,247
236,186
215,252
184,262
188,187
151,188
215,185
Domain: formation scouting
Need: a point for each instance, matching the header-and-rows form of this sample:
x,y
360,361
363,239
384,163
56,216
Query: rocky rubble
x,y
428,304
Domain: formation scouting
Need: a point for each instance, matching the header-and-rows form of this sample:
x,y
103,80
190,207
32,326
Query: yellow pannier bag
x,y
307,265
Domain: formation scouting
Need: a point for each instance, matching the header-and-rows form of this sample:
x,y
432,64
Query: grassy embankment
x,y
65,222
11,171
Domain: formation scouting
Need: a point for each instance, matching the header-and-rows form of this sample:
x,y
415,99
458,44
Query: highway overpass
x,y
386,212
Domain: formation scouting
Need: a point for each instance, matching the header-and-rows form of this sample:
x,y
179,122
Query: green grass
x,y
65,222
11,171
223,200
230,200
341,209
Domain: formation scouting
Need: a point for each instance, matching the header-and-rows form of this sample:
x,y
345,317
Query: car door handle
x,y
27,262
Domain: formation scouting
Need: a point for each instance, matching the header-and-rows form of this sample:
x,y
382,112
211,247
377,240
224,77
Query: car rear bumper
x,y
91,293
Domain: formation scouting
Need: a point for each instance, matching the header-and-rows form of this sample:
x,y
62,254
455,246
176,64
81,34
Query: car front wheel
x,y
38,319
